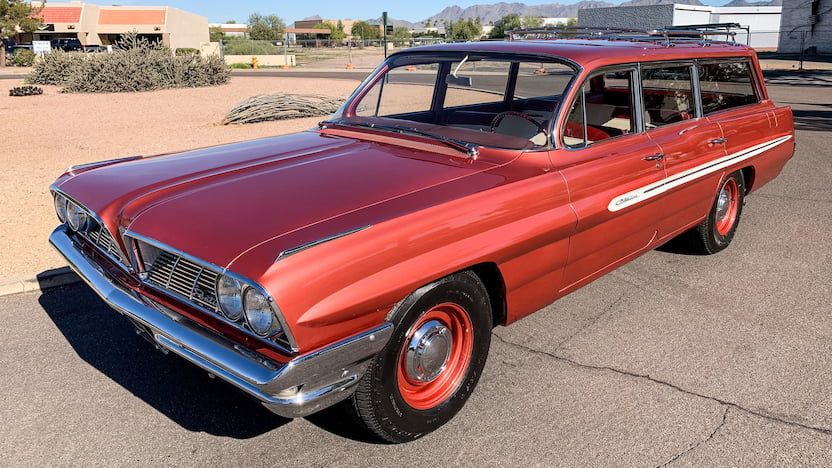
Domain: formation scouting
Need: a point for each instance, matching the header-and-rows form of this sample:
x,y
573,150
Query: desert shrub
x,y
55,68
249,47
136,65
267,107
23,58
25,91
241,66
187,51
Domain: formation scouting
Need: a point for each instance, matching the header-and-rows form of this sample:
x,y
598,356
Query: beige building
x,y
103,25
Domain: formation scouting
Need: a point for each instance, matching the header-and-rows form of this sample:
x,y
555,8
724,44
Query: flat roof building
x,y
806,23
763,23
104,25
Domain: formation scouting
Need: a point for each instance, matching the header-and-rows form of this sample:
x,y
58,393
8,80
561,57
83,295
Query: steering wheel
x,y
502,115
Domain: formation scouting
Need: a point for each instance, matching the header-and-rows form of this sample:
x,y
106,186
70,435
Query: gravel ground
x,y
722,360
54,131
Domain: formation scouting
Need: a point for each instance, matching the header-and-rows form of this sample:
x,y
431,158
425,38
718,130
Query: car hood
x,y
217,203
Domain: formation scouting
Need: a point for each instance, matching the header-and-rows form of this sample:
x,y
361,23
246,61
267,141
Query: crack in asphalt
x,y
595,320
761,414
701,442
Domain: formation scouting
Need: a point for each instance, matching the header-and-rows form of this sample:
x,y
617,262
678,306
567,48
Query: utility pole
x,y
384,31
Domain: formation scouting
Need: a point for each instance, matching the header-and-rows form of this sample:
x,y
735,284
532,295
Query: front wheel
x,y
718,229
431,364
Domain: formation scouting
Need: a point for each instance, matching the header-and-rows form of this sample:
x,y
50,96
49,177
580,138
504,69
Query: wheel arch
x,y
490,275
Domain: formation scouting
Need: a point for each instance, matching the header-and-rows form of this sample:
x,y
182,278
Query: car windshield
x,y
495,100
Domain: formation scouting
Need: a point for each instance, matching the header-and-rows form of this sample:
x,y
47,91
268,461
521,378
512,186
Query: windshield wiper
x,y
471,150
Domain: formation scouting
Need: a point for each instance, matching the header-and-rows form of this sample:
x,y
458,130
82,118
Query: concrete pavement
x,y
671,359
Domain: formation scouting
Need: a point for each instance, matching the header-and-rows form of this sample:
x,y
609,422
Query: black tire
x,y
378,403
706,239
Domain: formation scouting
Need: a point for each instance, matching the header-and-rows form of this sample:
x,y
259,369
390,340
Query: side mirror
x,y
464,81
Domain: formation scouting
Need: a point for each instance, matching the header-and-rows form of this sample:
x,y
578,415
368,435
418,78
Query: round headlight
x,y
76,216
230,297
259,313
60,207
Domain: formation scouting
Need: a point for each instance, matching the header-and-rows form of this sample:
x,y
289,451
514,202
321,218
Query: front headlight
x,y
76,216
230,297
60,207
259,314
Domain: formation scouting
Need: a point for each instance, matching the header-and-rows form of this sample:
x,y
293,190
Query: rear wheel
x,y
715,233
431,364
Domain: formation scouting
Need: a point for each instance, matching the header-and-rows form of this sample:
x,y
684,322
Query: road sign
x,y
41,47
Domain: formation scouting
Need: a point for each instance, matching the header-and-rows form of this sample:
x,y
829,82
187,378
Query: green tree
x,y
231,22
335,34
532,22
265,27
215,34
504,25
15,16
464,30
365,30
401,36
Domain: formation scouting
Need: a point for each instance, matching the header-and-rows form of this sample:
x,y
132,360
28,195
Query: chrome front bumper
x,y
321,378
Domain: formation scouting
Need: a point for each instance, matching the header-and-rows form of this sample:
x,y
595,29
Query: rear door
x,y
688,141
606,161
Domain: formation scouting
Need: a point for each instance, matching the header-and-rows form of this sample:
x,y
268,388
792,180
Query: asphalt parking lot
x,y
672,359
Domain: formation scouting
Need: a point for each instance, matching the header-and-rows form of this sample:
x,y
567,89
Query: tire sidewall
x,y
401,420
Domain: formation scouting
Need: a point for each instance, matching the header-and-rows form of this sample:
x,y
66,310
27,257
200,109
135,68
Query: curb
x,y
41,282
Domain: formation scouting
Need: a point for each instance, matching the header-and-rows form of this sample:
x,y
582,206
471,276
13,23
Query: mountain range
x,y
490,13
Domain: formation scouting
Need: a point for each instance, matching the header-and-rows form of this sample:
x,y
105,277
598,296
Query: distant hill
x,y
661,2
492,13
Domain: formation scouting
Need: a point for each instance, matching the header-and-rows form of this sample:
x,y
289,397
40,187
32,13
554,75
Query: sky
x,y
221,11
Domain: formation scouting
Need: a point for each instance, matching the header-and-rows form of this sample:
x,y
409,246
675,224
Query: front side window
x,y
604,110
668,96
725,85
497,100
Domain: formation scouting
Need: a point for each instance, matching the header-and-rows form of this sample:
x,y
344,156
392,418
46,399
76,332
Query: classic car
x,y
365,262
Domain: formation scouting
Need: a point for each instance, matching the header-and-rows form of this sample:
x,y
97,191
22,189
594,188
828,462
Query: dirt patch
x,y
43,135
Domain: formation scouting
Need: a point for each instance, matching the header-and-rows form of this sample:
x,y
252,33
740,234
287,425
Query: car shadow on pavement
x,y
174,387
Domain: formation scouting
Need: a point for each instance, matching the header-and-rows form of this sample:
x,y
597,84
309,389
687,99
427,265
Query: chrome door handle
x,y
654,157
718,141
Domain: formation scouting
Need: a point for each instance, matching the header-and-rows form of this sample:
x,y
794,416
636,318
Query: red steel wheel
x,y
727,206
434,359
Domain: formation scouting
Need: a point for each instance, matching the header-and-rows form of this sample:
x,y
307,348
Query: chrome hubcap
x,y
723,203
428,351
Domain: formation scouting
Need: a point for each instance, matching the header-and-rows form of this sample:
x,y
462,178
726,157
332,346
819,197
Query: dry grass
x,y
43,135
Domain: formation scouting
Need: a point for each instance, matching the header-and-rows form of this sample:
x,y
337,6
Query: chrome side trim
x,y
106,162
309,245
223,271
302,386
649,191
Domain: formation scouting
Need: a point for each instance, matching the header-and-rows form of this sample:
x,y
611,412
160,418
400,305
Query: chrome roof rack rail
x,y
702,34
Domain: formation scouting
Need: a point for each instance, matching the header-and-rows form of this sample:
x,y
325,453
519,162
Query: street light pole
x,y
384,32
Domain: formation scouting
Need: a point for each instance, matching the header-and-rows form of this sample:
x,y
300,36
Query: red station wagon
x,y
460,187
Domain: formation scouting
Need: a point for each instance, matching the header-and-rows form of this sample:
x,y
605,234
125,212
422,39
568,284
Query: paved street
x,y
673,358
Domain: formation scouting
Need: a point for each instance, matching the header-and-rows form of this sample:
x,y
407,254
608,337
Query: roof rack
x,y
670,36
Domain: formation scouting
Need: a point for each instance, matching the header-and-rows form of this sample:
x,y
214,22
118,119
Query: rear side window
x,y
604,110
668,96
725,85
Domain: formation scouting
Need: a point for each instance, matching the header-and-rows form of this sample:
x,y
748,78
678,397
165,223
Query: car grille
x,y
193,282
101,238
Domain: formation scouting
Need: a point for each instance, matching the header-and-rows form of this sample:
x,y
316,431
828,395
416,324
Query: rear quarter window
x,y
725,85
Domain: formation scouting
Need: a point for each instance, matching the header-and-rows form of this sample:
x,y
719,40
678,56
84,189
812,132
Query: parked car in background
x,y
67,45
460,187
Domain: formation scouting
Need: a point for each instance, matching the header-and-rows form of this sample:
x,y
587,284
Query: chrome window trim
x,y
290,339
122,261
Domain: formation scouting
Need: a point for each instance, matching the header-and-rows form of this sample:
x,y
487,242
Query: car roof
x,y
592,53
